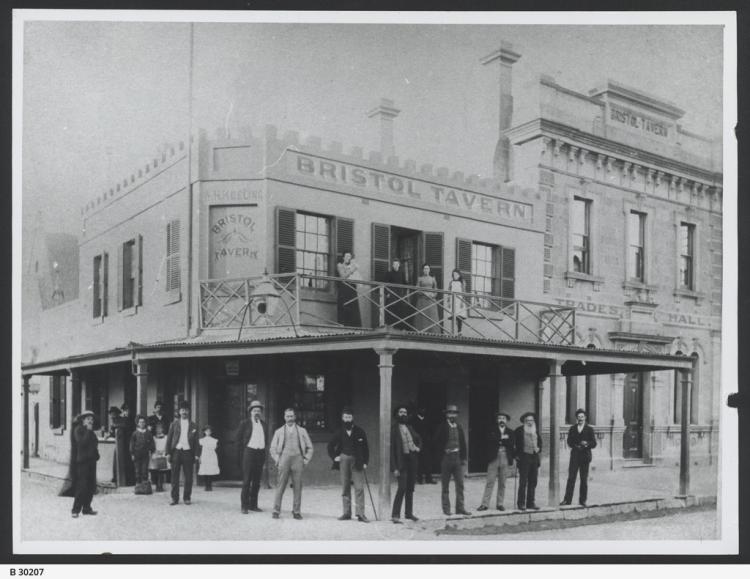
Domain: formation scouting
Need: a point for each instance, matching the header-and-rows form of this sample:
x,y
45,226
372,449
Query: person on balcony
x,y
528,449
581,439
427,311
395,306
457,305
347,304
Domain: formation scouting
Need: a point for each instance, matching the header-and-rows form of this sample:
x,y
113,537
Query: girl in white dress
x,y
458,301
208,457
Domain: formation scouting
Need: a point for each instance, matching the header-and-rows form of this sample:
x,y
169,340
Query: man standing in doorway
x,y
395,307
423,428
500,451
291,450
581,439
350,454
182,442
450,442
252,446
528,449
405,445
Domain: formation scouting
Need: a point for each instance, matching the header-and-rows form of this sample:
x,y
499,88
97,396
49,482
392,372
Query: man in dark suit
x,y
500,454
85,453
528,448
395,306
450,444
252,439
182,443
423,427
405,447
350,454
581,439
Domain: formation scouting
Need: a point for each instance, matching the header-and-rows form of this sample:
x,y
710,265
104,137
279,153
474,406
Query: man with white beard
x,y
528,449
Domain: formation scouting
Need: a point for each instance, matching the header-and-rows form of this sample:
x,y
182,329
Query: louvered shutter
x,y
63,401
52,400
105,284
97,287
174,277
138,270
344,236
381,251
508,273
463,261
432,251
286,224
120,265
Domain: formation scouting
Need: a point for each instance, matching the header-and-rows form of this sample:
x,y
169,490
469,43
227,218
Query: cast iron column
x,y
141,376
385,365
26,422
685,432
555,376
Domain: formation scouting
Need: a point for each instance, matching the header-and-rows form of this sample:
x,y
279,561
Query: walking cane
x,y
364,470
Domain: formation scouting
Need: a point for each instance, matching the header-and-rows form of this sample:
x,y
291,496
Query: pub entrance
x,y
482,407
632,438
432,397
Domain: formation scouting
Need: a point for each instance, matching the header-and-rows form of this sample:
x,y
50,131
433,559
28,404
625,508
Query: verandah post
x,y
555,377
385,365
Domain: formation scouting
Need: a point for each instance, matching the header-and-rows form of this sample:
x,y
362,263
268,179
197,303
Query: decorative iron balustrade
x,y
329,302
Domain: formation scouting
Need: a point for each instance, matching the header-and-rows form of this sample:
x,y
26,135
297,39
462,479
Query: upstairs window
x,y
687,262
101,285
581,229
130,274
487,270
483,274
636,246
313,247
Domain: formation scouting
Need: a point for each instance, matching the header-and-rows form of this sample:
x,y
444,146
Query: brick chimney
x,y
386,112
505,58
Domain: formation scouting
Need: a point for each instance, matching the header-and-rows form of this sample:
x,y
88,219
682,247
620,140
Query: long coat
x,y
173,436
361,448
494,441
582,453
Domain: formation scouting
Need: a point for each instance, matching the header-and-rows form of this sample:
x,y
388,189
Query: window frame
x,y
299,252
571,275
58,398
494,277
586,248
100,285
648,210
639,258
173,260
136,272
696,292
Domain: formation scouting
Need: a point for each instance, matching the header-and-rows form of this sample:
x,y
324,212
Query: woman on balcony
x,y
347,299
427,311
457,305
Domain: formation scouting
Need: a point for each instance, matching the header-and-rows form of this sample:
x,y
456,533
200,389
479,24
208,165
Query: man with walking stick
x,y
350,454
500,452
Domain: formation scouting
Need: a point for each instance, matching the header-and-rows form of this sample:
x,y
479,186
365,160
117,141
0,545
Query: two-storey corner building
x,y
211,275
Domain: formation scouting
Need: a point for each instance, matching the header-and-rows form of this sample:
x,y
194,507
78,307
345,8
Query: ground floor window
x,y
57,402
311,402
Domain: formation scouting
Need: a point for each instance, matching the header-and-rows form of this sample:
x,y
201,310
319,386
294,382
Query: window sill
x,y
58,431
690,294
129,311
98,321
639,285
573,276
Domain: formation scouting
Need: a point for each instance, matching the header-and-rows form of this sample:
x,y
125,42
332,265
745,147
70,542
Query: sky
x,y
101,98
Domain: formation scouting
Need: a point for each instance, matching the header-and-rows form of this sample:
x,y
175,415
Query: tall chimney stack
x,y
386,111
505,57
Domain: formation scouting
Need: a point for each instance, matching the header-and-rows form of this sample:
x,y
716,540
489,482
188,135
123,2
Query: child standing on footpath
x,y
141,447
208,457
158,464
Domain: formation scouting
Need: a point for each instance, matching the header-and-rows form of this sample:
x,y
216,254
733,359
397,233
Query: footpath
x,y
623,494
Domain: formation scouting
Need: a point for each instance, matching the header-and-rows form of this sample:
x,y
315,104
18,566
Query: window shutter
x,y
139,271
52,388
174,277
286,242
432,251
105,284
63,401
463,261
508,272
96,302
120,265
381,251
344,236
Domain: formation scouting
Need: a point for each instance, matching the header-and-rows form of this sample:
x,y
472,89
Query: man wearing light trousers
x,y
291,450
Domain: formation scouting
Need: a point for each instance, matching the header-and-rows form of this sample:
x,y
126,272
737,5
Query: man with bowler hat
x,y
83,455
405,447
350,454
528,449
581,439
450,443
252,443
500,452
182,442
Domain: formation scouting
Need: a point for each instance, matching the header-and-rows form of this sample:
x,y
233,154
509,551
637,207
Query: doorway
x,y
632,438
483,400
405,245
432,397
227,406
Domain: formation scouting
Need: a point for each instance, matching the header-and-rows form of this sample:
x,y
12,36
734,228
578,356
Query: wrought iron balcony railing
x,y
329,302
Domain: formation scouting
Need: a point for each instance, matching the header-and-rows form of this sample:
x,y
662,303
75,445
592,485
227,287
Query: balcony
x,y
324,302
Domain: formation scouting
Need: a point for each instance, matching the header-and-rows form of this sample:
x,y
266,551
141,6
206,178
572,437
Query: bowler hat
x,y
85,413
525,415
507,416
114,410
347,410
451,408
255,404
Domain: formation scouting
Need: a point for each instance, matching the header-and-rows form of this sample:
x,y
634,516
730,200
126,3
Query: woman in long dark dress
x,y
84,454
347,299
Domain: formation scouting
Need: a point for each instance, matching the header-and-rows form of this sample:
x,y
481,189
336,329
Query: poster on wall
x,y
234,249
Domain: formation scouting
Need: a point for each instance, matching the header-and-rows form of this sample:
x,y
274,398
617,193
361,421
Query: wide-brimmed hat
x,y
255,404
525,415
507,416
451,408
86,413
114,410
